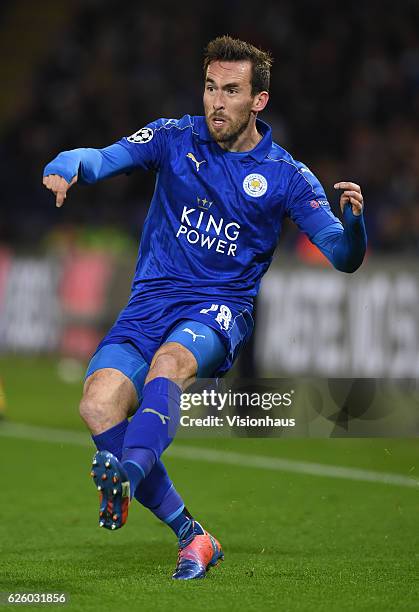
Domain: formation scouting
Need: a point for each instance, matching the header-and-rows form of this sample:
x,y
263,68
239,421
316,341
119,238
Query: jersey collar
x,y
259,152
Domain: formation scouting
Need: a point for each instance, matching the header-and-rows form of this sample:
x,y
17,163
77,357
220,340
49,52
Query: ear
x,y
260,101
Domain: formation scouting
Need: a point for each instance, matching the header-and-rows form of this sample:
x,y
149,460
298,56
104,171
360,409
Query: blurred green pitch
x,y
292,541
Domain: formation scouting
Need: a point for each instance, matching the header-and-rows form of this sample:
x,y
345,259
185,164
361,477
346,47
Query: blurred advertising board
x,y
310,320
315,321
54,304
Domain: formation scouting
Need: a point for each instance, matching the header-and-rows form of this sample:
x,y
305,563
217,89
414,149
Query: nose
x,y
218,101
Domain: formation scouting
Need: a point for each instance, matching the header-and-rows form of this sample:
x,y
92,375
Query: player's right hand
x,y
59,186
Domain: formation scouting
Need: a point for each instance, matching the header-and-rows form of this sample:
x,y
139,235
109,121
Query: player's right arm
x,y
145,149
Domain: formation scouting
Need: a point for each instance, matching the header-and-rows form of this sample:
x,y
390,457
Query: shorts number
x,y
223,317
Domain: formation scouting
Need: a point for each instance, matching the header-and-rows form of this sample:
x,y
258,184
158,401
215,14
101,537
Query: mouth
x,y
218,121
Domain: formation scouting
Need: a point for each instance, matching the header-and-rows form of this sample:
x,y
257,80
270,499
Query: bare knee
x,y
108,397
173,361
96,413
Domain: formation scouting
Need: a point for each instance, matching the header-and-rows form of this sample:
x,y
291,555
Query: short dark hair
x,y
228,49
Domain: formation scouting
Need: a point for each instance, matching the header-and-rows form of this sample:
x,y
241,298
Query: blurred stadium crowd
x,y
344,99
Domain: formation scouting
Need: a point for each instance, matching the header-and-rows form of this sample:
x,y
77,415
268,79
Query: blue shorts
x,y
214,333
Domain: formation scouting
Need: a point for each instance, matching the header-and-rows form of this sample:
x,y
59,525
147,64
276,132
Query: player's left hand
x,y
352,195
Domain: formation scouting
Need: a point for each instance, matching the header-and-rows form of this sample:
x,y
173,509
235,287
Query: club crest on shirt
x,y
255,185
142,136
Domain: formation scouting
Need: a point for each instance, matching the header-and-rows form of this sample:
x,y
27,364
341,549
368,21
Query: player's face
x,y
228,100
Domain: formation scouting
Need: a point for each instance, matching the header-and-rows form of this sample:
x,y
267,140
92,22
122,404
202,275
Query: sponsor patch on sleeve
x,y
318,203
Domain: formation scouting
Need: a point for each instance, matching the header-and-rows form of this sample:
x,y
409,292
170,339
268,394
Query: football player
x,y
223,188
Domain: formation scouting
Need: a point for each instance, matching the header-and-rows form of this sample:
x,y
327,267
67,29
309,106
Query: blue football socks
x,y
156,492
112,439
151,429
184,526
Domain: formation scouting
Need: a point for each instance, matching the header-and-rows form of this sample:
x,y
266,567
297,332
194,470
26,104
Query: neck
x,y
246,141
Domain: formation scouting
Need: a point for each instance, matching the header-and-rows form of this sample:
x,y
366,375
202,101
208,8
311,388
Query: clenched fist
x,y
352,195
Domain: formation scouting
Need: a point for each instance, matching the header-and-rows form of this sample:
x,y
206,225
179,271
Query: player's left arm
x,y
343,245
346,250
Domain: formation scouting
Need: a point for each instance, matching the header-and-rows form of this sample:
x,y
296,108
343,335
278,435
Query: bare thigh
x,y
173,360
108,398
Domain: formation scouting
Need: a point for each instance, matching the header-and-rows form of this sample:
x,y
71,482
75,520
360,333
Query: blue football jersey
x,y
215,217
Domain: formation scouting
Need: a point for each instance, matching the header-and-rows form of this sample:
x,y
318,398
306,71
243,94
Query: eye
x,y
210,88
231,91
